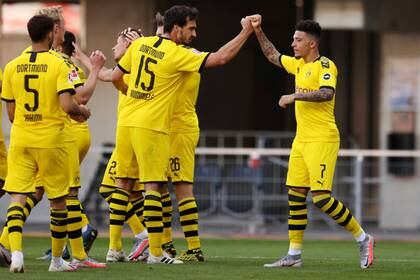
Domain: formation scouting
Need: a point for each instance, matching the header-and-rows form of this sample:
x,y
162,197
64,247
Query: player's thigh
x,y
321,159
297,173
21,171
83,142
152,154
182,156
126,162
3,161
74,164
53,164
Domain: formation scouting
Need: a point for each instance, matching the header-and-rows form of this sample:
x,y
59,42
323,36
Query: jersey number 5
x,y
144,66
33,91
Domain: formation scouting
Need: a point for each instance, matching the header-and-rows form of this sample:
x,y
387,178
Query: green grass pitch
x,y
230,259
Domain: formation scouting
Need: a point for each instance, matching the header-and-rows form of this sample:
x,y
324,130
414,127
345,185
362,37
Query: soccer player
x,y
135,206
157,66
37,142
83,93
3,153
315,147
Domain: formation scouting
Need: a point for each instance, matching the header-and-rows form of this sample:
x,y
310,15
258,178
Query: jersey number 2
x,y
33,91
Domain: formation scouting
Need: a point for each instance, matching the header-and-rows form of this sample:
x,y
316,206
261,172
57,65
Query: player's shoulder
x,y
326,63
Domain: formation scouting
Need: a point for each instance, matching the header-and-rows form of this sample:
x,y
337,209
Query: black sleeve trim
x,y
203,63
122,69
69,90
281,64
78,85
7,100
330,87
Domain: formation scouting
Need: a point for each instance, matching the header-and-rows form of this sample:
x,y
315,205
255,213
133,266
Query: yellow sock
x,y
58,227
167,218
188,216
153,219
297,221
15,220
341,214
74,228
117,213
133,221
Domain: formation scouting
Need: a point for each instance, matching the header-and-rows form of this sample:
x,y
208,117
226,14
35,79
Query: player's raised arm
x,y
270,52
227,52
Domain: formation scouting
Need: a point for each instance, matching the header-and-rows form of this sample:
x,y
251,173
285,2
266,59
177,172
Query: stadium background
x,y
375,45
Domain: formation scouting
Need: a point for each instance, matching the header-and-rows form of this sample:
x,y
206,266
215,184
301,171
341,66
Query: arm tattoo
x,y
268,49
321,95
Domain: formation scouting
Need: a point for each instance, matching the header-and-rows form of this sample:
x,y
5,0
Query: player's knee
x,y
320,199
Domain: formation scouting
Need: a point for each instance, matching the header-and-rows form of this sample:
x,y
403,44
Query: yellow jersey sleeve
x,y
7,92
328,74
189,59
64,82
289,63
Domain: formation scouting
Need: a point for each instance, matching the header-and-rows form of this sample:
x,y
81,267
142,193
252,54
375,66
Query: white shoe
x,y
162,260
116,256
16,265
287,261
366,252
63,267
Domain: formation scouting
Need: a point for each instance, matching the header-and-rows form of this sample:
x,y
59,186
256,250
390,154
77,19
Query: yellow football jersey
x,y
315,120
1,130
34,81
156,66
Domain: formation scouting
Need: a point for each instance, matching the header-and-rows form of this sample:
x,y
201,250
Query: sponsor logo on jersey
x,y
326,76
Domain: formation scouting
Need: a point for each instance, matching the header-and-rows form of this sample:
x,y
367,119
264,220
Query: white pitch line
x,y
316,259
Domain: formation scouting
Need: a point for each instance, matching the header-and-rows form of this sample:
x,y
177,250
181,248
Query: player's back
x,y
34,81
156,66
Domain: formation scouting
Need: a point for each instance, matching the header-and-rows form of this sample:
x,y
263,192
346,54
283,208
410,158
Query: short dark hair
x,y
67,46
178,15
39,27
309,26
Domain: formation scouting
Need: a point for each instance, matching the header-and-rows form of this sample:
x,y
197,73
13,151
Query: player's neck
x,y
40,46
312,56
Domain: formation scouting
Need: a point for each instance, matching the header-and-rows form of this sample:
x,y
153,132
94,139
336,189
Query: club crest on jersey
x,y
308,73
73,76
326,76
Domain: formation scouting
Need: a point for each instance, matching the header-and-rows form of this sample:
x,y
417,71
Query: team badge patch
x,y
73,75
326,76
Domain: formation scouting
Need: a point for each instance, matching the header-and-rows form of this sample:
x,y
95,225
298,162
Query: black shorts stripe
x,y
188,211
152,197
117,212
152,208
14,229
189,222
116,222
341,213
153,218
347,220
59,215
118,201
191,233
185,202
58,235
297,207
75,234
333,207
154,229
297,227
298,217
73,208
295,198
